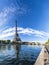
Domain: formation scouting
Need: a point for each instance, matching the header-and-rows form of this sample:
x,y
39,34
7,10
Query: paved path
x,y
46,55
40,59
43,58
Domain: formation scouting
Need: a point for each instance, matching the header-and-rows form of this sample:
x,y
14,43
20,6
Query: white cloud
x,y
4,15
31,31
9,11
9,30
27,31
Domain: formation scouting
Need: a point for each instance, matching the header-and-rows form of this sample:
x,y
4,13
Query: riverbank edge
x,y
40,59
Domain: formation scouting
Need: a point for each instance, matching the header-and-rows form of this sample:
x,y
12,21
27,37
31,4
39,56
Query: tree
x,y
47,41
3,41
38,43
8,41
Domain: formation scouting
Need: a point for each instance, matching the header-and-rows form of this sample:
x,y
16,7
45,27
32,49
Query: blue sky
x,y
32,17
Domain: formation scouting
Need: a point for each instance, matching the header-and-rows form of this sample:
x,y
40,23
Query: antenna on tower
x,y
16,26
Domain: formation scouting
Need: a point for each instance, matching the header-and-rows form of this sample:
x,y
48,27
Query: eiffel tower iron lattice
x,y
16,37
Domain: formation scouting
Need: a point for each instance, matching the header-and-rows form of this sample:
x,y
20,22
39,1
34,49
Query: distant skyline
x,y
32,17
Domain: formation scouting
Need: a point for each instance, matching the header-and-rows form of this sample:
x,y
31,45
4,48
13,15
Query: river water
x,y
18,54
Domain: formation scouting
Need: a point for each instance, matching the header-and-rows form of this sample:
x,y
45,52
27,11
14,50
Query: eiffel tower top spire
x,y
16,26
16,38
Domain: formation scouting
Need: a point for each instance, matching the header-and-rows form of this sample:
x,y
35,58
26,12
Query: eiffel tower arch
x,y
16,37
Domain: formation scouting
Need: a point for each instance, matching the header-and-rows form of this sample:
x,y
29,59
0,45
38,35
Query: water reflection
x,y
18,54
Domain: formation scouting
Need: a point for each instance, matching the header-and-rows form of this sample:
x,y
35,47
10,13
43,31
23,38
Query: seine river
x,y
18,54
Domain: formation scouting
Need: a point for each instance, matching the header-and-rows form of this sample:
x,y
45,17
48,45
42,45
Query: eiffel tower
x,y
16,38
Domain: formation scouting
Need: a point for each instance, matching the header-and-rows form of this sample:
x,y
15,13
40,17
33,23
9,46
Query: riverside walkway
x,y
40,59
43,58
46,55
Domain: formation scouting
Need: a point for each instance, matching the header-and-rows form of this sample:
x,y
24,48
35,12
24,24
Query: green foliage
x,y
3,41
47,41
38,43
7,41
